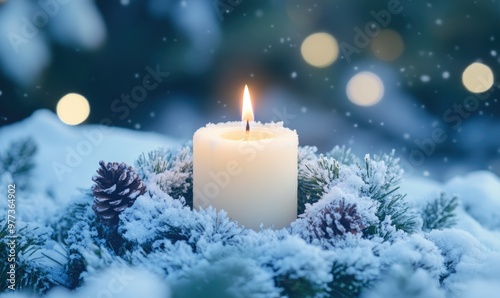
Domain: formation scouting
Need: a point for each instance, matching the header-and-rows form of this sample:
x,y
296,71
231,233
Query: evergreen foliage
x,y
353,221
35,271
315,177
382,176
440,213
18,160
171,170
343,155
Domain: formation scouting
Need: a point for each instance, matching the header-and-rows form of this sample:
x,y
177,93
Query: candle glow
x,y
247,111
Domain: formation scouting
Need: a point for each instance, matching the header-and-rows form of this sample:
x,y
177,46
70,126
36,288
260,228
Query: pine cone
x,y
337,219
116,188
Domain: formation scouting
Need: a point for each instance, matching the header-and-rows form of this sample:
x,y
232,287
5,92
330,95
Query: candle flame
x,y
247,111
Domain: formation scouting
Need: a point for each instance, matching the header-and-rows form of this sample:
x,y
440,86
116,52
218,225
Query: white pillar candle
x,y
252,175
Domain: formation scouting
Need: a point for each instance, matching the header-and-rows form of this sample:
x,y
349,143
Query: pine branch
x,y
440,213
343,155
402,216
314,179
171,170
18,160
297,287
383,175
76,212
345,284
31,274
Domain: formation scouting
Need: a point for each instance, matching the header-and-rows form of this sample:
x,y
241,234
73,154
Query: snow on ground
x,y
68,156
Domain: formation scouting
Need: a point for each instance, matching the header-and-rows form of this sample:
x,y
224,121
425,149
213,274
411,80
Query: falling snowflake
x,y
425,78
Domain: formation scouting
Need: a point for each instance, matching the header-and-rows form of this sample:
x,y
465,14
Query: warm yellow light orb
x,y
387,45
320,49
477,77
365,89
73,109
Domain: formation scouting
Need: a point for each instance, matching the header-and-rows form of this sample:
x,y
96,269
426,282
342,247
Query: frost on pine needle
x,y
299,269
382,176
343,155
440,213
306,153
355,266
165,258
18,160
153,217
400,214
81,238
315,177
171,170
157,216
36,269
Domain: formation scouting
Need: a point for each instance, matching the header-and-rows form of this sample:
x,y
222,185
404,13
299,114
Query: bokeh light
x,y
320,49
477,77
387,45
365,89
73,109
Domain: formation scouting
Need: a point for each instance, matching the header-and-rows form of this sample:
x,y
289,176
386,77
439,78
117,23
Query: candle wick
x,y
248,127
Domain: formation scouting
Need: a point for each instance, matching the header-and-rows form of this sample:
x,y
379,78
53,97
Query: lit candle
x,y
248,169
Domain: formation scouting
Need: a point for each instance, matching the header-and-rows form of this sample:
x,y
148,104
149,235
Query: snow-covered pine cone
x,y
337,219
116,188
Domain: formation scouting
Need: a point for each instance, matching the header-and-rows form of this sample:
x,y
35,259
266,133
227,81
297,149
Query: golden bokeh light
x,y
365,89
73,109
477,77
320,49
387,45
